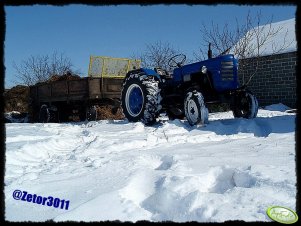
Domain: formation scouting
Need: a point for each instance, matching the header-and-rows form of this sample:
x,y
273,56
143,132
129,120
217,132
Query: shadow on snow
x,y
260,126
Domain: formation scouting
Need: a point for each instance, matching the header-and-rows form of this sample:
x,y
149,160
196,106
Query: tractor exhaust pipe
x,y
209,52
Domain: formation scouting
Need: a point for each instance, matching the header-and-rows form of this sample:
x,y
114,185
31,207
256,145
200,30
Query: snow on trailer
x,y
230,169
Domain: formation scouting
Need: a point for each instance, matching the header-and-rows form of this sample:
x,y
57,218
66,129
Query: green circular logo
x,y
282,215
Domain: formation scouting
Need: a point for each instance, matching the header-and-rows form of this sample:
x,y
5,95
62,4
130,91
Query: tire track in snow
x,y
48,156
159,184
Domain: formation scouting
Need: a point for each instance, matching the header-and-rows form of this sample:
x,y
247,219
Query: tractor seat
x,y
164,73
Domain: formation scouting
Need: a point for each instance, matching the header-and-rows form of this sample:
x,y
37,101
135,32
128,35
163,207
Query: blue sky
x,y
79,31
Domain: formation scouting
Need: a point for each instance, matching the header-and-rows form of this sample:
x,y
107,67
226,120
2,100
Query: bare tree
x,y
157,55
32,70
59,64
41,68
245,41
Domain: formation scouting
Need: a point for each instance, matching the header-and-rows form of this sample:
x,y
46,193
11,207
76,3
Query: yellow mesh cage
x,y
109,67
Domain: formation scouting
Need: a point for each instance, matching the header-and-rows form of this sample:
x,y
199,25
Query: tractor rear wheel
x,y
140,98
245,105
195,109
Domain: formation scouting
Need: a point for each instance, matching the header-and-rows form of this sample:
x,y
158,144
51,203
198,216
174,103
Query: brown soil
x,y
67,76
105,112
16,99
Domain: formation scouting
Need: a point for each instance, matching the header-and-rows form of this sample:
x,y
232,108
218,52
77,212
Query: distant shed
x,y
275,79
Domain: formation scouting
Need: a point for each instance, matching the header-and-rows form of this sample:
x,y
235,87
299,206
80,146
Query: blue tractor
x,y
187,91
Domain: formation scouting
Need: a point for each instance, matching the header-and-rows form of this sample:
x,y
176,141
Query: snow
x,y
229,169
286,36
277,107
15,116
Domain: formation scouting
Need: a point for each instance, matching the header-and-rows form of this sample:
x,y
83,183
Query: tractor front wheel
x,y
195,109
245,105
140,98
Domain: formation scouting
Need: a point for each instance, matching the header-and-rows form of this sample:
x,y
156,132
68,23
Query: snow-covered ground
x,y
230,169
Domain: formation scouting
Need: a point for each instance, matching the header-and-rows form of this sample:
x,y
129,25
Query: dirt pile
x,y
106,112
67,76
16,99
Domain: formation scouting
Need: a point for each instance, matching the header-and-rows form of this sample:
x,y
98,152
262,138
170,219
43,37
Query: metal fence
x,y
109,67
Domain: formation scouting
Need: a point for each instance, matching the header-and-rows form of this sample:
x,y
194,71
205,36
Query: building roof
x,y
283,41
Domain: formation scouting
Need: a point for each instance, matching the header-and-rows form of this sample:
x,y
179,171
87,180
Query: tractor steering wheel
x,y
177,60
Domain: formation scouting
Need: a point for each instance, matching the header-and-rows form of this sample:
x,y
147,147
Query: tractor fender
x,y
144,71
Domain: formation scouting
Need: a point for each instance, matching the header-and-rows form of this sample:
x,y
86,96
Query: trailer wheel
x,y
195,109
245,105
82,114
140,98
91,113
63,113
44,114
53,113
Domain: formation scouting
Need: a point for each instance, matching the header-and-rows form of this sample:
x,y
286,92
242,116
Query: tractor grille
x,y
227,71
